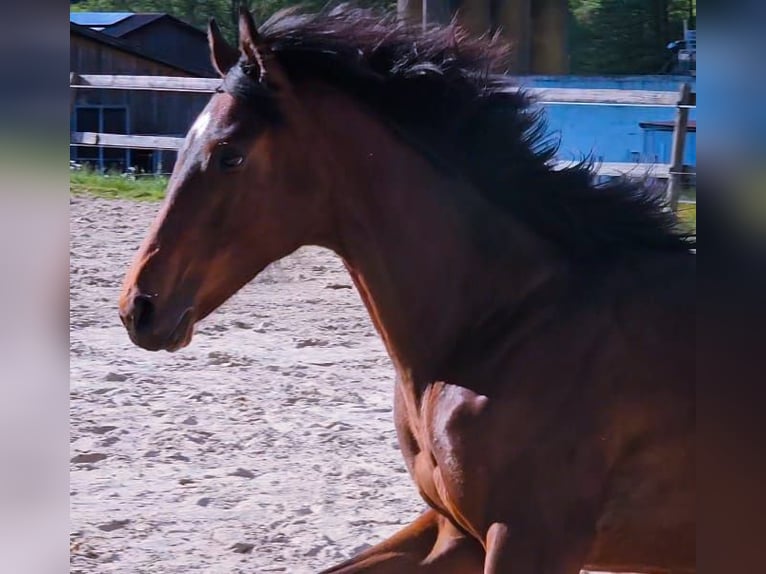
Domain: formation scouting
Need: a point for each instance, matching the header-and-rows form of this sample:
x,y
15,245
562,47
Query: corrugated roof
x,y
99,19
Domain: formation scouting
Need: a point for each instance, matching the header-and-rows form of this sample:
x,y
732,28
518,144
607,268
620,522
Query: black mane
x,y
445,92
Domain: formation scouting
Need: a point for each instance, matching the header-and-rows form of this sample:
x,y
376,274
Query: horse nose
x,y
138,315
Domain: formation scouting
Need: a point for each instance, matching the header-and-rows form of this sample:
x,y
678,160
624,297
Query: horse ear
x,y
257,53
249,39
222,55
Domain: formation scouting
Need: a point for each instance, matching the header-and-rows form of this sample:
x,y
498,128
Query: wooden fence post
x,y
72,77
72,101
679,141
72,92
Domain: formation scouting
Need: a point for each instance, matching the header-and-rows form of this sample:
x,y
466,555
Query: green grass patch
x,y
143,188
687,215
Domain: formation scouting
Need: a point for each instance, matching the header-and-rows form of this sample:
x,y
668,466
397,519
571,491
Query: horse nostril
x,y
143,312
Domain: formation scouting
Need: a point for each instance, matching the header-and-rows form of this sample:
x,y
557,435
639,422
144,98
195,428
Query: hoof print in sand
x,y
88,457
242,547
113,525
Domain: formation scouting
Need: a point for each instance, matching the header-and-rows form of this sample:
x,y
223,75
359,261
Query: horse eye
x,y
231,160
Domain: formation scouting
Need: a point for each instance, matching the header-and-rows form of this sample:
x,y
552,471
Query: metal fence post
x,y
675,177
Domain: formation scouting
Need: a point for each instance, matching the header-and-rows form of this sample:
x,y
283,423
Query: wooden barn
x,y
153,34
93,51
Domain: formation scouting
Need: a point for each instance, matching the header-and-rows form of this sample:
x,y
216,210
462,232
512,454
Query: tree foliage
x,y
626,36
606,36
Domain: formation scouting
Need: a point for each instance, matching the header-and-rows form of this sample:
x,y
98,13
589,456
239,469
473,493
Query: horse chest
x,y
436,431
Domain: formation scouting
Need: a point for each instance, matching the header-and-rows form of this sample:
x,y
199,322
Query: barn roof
x,y
98,19
120,24
136,21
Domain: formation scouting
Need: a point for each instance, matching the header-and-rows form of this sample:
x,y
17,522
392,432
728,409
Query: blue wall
x,y
613,133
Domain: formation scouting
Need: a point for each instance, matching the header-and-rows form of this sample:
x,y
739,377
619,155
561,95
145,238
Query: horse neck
x,y
429,257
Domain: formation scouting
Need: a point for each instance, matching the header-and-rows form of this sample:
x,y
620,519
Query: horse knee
x,y
454,552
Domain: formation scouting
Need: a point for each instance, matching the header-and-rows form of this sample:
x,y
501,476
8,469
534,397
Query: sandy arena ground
x,y
268,445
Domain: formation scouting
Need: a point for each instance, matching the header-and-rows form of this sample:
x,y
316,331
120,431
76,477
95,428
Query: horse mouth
x,y
182,333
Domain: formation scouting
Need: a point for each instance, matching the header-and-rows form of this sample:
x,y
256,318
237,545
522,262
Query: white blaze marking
x,y
200,125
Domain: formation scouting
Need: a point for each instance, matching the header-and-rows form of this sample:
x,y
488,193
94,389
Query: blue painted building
x,y
617,133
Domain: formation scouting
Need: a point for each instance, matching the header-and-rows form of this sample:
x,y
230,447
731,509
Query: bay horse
x,y
541,325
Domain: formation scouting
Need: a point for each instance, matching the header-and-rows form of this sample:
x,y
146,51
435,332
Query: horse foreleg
x,y
431,544
529,555
499,550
